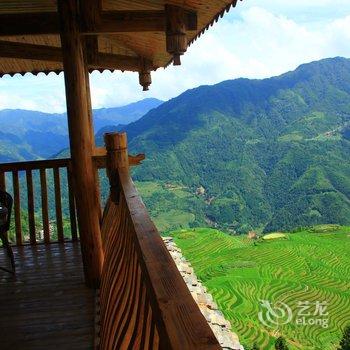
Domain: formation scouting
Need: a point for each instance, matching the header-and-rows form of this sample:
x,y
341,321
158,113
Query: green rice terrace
x,y
303,276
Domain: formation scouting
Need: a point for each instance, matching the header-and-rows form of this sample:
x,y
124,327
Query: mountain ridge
x,y
245,155
41,135
249,142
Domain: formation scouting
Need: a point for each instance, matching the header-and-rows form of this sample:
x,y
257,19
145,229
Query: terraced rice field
x,y
304,267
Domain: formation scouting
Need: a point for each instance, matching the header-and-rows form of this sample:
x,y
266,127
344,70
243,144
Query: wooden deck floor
x,y
47,306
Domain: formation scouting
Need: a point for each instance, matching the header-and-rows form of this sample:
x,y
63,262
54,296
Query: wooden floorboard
x,y
47,305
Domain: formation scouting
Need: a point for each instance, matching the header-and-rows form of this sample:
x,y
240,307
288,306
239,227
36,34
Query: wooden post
x,y
176,38
81,144
145,78
17,207
31,207
2,181
91,120
90,11
117,160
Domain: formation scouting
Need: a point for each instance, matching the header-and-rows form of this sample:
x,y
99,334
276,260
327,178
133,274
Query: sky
x,y
257,39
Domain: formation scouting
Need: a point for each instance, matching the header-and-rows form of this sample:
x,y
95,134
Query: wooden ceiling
x,y
144,44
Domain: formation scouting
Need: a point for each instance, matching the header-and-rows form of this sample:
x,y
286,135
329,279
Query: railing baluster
x,y
31,207
17,207
35,171
2,181
44,206
58,204
72,213
144,301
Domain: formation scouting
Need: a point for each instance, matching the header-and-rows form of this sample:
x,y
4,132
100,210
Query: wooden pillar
x,y
117,160
117,150
2,181
92,134
81,141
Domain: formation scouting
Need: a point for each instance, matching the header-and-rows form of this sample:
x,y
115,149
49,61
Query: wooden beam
x,y
91,48
108,22
76,82
96,60
29,23
90,13
12,49
137,21
123,62
126,21
100,154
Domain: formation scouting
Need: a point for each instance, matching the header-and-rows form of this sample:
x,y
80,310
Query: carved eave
x,y
119,35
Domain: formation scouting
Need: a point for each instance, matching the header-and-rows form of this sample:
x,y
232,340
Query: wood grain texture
x,y
144,302
31,207
72,208
105,22
58,204
133,28
17,50
43,168
2,180
44,206
48,305
81,145
17,207
34,165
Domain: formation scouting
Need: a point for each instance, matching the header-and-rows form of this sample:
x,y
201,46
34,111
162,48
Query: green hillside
x,y
307,266
269,154
28,135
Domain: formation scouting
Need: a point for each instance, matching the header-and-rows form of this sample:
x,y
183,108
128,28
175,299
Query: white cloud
x,y
258,39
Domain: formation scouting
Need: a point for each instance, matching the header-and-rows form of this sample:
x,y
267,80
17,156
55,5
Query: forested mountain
x,y
245,154
30,134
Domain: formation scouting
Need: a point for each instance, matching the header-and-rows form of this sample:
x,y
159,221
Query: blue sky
x,y
258,39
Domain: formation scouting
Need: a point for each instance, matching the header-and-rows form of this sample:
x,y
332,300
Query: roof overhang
x,y
120,34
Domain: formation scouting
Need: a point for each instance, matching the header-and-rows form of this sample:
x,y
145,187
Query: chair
x,y
6,202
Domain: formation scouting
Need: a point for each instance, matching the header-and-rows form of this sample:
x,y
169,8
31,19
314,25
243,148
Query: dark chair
x,y
5,219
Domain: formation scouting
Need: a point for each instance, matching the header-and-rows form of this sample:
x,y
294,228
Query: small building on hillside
x,y
252,235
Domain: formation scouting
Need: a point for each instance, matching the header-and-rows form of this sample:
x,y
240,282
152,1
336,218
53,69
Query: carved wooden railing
x,y
144,302
22,174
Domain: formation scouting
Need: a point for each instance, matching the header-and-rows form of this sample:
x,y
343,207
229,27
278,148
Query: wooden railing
x,y
144,302
19,178
22,174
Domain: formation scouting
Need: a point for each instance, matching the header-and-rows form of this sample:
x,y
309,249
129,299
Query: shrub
x,y
345,342
281,344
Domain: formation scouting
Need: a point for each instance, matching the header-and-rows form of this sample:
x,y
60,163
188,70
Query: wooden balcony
x,y
142,301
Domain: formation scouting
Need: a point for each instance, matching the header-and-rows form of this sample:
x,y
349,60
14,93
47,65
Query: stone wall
x,y
220,326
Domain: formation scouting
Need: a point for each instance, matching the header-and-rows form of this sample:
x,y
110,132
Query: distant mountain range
x,y
31,135
267,154
241,155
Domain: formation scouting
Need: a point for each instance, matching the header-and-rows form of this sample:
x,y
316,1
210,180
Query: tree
x,y
280,344
345,342
255,347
